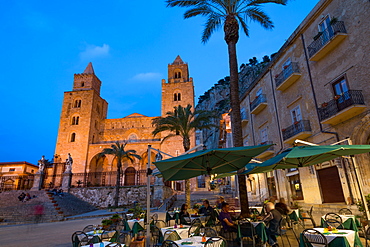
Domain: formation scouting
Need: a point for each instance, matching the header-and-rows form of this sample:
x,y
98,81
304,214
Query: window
x,y
132,136
12,169
264,135
340,86
75,120
259,92
77,103
287,63
73,137
82,84
326,29
177,74
177,97
296,114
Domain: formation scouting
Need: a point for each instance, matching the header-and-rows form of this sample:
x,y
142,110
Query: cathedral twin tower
x,y
84,130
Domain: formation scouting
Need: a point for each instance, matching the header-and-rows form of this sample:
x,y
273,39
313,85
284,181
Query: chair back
x,y
312,236
345,211
210,232
185,220
79,238
88,228
195,230
169,243
196,222
160,224
367,237
157,236
155,216
113,244
333,216
334,223
171,235
246,228
125,238
216,242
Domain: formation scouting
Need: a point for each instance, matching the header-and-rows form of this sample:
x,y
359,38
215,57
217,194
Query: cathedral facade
x,y
84,131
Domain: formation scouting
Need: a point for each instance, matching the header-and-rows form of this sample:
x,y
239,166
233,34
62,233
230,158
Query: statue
x,y
41,164
69,163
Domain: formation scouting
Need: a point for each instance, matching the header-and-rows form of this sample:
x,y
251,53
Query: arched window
x,y
132,137
130,176
73,137
75,120
177,74
175,97
77,103
179,97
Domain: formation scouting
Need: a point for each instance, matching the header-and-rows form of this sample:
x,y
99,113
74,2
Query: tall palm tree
x,y
183,122
230,14
120,154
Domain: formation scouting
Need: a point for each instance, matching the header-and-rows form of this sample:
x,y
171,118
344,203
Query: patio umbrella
x,y
210,161
302,156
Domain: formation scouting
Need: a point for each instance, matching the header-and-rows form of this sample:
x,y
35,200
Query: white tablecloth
x,y
350,236
197,242
99,233
132,222
98,244
183,232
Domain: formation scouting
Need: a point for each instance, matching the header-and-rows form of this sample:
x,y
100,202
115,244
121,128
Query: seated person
x,y
184,213
220,202
225,218
282,207
272,220
206,209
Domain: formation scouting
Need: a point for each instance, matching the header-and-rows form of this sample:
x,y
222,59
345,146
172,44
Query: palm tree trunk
x,y
186,144
231,29
118,183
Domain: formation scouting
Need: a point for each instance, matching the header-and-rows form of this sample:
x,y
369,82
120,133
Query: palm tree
x,y
229,14
183,122
119,152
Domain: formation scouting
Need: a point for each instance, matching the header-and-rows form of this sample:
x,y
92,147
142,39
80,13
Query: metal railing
x,y
322,38
260,99
131,141
341,102
296,128
287,71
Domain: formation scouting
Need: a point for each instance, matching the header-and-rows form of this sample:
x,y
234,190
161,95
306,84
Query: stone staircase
x,y
70,205
13,211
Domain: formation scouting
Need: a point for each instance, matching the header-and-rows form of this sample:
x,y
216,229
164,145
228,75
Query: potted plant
x,y
336,97
115,218
325,104
296,122
106,223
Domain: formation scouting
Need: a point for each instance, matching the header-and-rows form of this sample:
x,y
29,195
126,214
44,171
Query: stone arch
x,y
144,160
130,176
77,103
177,73
9,184
99,171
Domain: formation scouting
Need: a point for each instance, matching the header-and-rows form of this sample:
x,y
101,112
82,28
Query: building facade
x,y
316,88
84,131
17,175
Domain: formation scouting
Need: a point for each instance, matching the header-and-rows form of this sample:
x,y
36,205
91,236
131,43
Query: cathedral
x,y
84,131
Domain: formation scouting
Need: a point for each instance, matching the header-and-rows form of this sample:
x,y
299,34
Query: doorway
x,y
330,184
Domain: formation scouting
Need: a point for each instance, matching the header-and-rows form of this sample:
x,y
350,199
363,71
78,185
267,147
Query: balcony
x,y
244,117
258,104
268,152
342,107
327,40
299,130
287,77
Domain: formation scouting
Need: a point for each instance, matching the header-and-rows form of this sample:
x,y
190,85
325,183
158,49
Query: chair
x,y
216,242
309,218
333,216
156,236
114,244
210,232
160,224
194,230
311,236
88,228
334,223
155,216
171,235
80,238
345,211
367,236
169,243
196,222
124,238
282,230
185,220
247,230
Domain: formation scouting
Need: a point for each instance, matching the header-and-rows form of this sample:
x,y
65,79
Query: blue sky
x,y
129,43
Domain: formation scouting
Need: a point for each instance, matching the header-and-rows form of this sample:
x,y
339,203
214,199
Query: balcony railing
x,y
325,37
257,101
286,73
130,141
334,106
296,128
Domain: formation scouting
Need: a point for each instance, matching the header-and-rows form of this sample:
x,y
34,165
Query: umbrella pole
x,y
148,199
360,187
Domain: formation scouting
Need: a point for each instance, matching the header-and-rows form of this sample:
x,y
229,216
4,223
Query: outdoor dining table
x,y
173,215
349,222
100,232
99,244
195,241
295,215
182,231
134,225
344,238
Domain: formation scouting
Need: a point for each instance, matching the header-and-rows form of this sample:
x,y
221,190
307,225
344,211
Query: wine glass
x,y
201,232
192,234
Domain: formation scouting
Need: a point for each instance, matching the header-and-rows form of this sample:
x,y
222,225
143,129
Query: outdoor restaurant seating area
x,y
336,229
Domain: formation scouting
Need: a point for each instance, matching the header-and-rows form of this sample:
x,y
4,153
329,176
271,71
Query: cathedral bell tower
x,y
179,89
83,111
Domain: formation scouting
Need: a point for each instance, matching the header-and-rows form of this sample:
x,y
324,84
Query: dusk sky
x,y
130,43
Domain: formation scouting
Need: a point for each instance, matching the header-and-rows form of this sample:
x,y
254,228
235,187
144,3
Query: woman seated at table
x,y
282,207
184,213
225,218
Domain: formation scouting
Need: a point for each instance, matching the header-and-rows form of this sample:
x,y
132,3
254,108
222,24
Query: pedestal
x,y
37,181
66,181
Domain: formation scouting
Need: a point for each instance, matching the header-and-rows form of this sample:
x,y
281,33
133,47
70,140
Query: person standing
x,y
38,213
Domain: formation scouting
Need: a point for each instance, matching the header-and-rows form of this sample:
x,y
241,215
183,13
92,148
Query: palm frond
x,y
259,2
257,15
244,25
181,3
213,23
201,10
